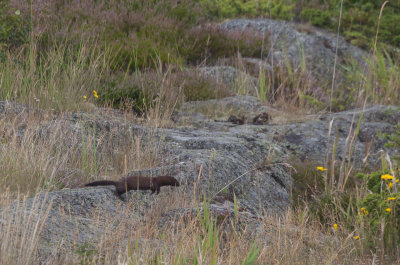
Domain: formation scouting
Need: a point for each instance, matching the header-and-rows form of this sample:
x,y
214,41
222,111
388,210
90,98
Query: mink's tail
x,y
102,183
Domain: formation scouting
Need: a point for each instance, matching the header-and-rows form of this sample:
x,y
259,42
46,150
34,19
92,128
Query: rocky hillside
x,y
235,157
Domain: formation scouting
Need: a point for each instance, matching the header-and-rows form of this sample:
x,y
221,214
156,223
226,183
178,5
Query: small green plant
x,y
252,255
86,252
263,90
206,250
208,239
89,153
392,138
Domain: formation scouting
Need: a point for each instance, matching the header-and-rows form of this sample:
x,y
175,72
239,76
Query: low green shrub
x,y
14,28
249,8
119,94
359,19
357,38
319,18
393,138
308,100
390,28
368,208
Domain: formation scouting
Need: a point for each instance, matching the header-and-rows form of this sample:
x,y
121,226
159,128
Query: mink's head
x,y
168,180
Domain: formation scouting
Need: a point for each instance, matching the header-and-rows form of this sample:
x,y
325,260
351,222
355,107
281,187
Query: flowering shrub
x,y
380,210
367,210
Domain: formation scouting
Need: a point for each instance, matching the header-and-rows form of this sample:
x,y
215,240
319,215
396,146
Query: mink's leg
x,y
119,196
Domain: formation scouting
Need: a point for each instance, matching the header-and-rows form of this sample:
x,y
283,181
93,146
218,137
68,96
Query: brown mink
x,y
137,183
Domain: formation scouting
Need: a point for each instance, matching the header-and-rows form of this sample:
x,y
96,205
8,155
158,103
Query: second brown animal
x,y
260,119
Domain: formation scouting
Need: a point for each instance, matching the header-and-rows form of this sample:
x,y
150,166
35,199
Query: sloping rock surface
x,y
218,157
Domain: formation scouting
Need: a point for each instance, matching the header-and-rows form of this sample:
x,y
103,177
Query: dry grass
x,y
57,80
294,238
71,151
32,164
66,158
20,229
40,153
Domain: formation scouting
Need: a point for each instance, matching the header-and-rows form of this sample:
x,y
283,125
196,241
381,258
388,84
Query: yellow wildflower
x,y
95,94
390,185
391,198
397,181
335,226
364,211
356,237
321,168
388,210
387,177
84,97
